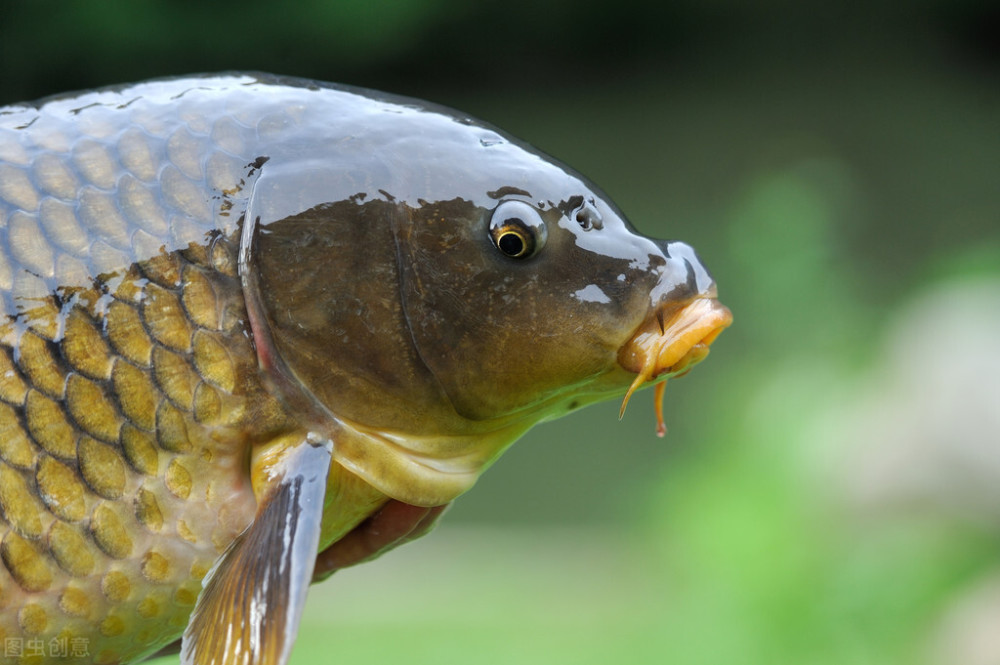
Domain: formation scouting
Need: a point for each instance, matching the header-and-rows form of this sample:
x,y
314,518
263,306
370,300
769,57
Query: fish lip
x,y
671,341
674,338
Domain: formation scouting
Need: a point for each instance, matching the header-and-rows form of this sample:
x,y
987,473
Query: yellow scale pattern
x,y
126,379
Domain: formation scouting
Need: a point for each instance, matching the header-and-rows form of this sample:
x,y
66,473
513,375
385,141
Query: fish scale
x,y
256,329
125,373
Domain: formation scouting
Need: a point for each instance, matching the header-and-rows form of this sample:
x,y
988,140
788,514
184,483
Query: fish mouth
x,y
672,341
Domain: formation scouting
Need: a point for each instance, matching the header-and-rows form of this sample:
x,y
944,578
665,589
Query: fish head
x,y
439,287
540,300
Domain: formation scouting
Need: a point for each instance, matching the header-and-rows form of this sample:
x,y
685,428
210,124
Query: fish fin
x,y
396,523
251,601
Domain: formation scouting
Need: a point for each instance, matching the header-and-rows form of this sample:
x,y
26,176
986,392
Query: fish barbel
x,y
242,314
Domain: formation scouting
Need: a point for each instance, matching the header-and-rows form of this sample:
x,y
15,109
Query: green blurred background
x,y
829,490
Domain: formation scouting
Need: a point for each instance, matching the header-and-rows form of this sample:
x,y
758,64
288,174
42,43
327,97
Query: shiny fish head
x,y
440,287
242,314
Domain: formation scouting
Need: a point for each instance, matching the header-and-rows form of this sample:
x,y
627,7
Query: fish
x,y
256,328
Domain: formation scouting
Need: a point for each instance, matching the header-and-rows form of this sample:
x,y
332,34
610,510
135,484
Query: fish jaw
x,y
672,340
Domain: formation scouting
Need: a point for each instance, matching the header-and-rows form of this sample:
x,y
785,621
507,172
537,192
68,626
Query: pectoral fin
x,y
249,608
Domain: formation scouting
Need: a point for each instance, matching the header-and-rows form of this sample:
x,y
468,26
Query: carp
x,y
246,315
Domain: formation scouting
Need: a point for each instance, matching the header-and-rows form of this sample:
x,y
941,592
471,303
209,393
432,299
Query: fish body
x,y
241,313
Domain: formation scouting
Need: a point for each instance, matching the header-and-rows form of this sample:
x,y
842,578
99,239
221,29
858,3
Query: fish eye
x,y
517,229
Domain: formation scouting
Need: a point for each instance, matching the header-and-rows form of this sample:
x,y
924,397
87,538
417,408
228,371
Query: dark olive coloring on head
x,y
427,276
376,296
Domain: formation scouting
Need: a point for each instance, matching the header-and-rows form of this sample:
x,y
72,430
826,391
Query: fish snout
x,y
685,318
682,275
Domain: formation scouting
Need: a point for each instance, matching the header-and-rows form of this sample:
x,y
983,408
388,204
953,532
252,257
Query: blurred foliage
x,y
829,162
49,46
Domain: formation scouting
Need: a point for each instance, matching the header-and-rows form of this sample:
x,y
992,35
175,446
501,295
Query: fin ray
x,y
251,602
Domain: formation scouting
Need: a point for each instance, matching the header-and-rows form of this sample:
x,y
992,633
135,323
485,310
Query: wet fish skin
x,y
128,378
208,282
